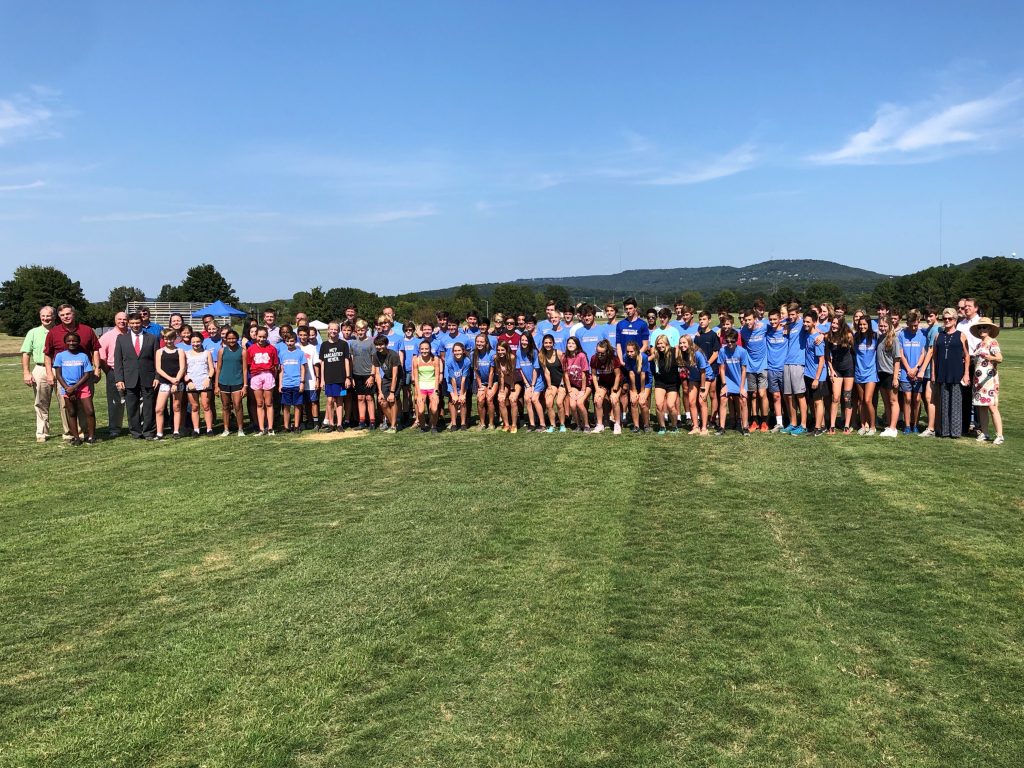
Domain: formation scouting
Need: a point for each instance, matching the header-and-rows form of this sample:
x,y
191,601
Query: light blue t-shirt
x,y
671,333
756,344
213,347
797,343
409,348
560,336
72,366
292,367
484,363
458,370
589,338
733,363
778,347
914,345
446,341
528,366
812,353
689,330
865,364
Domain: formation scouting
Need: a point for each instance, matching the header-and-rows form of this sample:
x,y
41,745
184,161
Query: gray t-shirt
x,y
362,356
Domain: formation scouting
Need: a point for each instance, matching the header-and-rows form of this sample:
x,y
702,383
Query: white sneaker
x,y
862,431
927,433
999,440
982,437
226,433
777,427
616,430
598,428
889,432
871,432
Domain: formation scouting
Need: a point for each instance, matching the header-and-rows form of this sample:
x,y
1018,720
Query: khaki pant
x,y
43,397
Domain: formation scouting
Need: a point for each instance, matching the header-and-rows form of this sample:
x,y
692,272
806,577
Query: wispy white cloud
x,y
369,218
641,161
742,158
28,115
18,187
902,134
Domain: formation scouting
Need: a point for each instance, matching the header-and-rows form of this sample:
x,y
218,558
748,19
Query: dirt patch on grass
x,y
346,435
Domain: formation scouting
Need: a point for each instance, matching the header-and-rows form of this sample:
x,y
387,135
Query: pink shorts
x,y
263,381
78,394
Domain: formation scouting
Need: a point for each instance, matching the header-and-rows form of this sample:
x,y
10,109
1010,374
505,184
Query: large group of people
x,y
815,371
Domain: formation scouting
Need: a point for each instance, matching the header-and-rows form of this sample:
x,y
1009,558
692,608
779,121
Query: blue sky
x,y
405,146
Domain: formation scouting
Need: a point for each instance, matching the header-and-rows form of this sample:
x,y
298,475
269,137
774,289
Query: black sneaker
x,y
327,428
719,432
746,433
176,436
818,432
433,430
635,429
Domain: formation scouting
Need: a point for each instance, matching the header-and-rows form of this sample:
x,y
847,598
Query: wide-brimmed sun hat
x,y
985,322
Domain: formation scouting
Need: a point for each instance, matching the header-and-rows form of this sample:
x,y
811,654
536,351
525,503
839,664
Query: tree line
x,y
997,283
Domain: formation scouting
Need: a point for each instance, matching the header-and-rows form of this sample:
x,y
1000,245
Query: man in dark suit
x,y
135,376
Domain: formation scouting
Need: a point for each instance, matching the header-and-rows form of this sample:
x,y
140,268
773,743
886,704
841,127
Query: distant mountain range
x,y
766,276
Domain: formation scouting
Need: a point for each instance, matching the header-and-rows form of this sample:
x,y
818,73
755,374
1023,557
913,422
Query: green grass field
x,y
512,600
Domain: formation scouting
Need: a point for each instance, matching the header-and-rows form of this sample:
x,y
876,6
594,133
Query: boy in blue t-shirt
x,y
778,347
291,382
733,362
914,355
814,371
633,328
753,337
72,369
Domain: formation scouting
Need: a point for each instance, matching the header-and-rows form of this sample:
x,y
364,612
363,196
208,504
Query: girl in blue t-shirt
x,y
458,372
482,363
73,372
865,373
528,365
693,364
636,395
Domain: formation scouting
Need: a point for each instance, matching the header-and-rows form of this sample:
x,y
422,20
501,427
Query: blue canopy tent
x,y
219,309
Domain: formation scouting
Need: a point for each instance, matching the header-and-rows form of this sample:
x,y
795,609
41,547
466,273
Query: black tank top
x,y
170,363
555,372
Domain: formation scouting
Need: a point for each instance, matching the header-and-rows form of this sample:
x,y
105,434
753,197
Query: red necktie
x,y
138,346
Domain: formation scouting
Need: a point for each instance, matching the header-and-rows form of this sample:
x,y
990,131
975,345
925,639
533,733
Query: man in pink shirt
x,y
115,399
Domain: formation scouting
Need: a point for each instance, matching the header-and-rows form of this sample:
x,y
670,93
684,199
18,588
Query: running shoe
x,y
797,431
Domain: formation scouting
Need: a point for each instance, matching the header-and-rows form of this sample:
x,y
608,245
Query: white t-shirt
x,y
312,353
964,326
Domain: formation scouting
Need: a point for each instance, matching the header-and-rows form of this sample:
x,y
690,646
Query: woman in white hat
x,y
986,379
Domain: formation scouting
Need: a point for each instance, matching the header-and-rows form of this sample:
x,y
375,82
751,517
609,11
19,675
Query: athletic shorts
x,y
82,392
844,374
228,389
263,381
793,380
310,396
814,393
775,381
335,390
885,380
167,387
291,396
365,385
756,381
912,386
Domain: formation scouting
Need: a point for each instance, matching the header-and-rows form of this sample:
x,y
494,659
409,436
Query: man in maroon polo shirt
x,y
54,344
